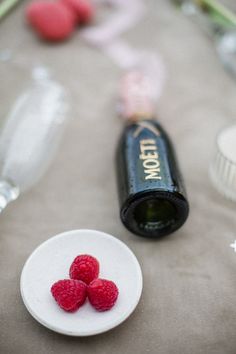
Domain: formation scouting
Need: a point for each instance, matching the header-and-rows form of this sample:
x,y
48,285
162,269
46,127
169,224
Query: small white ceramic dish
x,y
51,261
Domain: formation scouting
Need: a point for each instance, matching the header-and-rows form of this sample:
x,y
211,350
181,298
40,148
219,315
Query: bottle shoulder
x,y
147,127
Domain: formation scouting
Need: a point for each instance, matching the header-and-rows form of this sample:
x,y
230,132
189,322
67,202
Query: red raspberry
x,y
102,294
83,9
52,21
85,268
69,294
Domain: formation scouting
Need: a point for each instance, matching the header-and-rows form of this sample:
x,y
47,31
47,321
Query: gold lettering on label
x,y
150,157
152,174
151,163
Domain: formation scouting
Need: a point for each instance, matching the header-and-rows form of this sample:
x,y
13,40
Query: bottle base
x,y
155,214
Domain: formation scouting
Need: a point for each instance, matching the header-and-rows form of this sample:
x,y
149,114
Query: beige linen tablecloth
x,y
188,305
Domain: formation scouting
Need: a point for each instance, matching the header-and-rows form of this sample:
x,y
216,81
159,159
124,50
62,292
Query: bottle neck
x,y
8,193
136,98
140,117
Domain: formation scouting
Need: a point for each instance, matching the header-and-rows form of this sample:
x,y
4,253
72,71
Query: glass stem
x,y
6,6
218,9
8,193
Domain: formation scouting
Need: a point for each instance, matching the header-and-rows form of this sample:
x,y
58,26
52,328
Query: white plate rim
x,y
106,328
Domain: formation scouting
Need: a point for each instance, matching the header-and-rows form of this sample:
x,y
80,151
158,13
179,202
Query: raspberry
x,y
85,268
52,21
83,9
102,294
69,294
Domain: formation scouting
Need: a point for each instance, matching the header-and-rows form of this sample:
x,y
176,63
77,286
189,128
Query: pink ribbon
x,y
107,37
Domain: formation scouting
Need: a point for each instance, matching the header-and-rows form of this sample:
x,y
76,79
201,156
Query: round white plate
x,y
51,261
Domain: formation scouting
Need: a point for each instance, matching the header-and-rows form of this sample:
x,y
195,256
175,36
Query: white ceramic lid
x,y
223,165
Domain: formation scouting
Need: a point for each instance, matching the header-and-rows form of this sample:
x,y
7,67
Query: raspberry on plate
x,y
102,294
85,268
69,294
52,21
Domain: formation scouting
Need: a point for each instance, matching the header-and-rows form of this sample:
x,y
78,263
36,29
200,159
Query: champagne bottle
x,y
152,196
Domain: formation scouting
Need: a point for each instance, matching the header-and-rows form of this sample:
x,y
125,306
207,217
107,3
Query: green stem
x,y
218,9
6,6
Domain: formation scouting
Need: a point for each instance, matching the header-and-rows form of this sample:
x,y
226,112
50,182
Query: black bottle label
x,y
147,158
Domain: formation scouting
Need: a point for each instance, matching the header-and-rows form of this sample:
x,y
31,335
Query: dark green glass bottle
x,y
152,197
